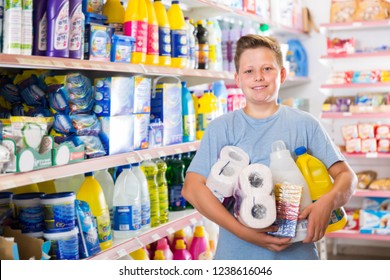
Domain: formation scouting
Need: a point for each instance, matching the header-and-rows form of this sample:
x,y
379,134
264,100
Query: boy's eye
x,y
248,71
267,69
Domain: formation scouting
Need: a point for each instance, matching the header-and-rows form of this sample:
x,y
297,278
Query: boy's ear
x,y
283,75
237,80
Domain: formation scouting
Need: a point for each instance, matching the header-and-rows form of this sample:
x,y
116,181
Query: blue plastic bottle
x,y
58,26
76,23
297,57
221,93
189,125
39,27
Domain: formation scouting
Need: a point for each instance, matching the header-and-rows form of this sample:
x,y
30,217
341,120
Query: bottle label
x,y
127,218
152,48
154,204
61,34
213,53
164,202
145,213
139,30
104,227
76,29
164,38
42,33
200,125
179,43
336,216
203,53
189,127
176,200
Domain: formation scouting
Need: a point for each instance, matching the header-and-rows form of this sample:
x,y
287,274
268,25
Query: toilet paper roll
x,y
235,154
255,204
223,178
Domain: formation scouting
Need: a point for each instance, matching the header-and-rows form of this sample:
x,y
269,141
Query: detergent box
x,y
141,87
141,133
97,42
117,134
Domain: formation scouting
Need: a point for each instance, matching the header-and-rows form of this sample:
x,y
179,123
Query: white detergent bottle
x,y
107,183
145,197
127,204
284,169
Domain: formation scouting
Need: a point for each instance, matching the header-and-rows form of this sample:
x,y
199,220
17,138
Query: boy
x,y
259,73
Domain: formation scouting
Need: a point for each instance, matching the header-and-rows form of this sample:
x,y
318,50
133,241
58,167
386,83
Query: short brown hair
x,y
252,41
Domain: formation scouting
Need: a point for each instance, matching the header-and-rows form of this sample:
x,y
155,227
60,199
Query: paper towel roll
x,y
255,203
223,178
235,154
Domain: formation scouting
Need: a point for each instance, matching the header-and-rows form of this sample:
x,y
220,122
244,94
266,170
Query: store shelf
x,y
354,26
178,220
12,180
359,56
349,115
356,86
368,155
295,81
353,234
372,193
357,61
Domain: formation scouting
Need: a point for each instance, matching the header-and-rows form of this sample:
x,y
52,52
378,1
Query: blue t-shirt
x,y
255,136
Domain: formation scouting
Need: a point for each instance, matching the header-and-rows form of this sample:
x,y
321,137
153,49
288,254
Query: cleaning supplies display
x,y
91,192
202,35
127,204
191,44
76,32
58,28
319,183
162,189
199,247
285,170
107,183
149,168
176,200
39,28
164,34
221,94
152,49
188,110
207,111
115,14
145,197
179,51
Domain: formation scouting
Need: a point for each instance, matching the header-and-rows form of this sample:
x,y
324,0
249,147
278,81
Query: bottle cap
x,y
127,166
136,164
300,151
180,244
89,174
199,231
278,146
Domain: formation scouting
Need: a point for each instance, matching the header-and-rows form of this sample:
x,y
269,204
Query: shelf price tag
x,y
178,151
170,230
372,155
193,221
347,114
156,237
131,160
192,148
147,156
37,178
161,153
357,24
121,252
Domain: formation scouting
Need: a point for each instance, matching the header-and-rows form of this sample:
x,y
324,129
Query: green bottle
x,y
187,158
162,189
150,170
176,200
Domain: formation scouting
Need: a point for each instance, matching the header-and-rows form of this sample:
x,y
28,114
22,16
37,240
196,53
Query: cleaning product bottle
x,y
91,192
47,186
191,44
181,252
58,28
179,234
196,55
69,184
107,183
152,52
26,189
140,254
164,34
221,94
39,28
179,45
284,169
127,204
212,40
145,197
218,36
187,158
150,170
162,245
176,201
319,183
162,189
159,255
213,234
115,13
76,33
189,129
207,110
202,34
297,57
136,25
226,44
199,247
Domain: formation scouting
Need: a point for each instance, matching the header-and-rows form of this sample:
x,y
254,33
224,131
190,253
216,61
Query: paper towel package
x,y
255,201
235,154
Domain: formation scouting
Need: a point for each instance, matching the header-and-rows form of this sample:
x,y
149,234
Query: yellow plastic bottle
x,y
179,51
159,255
164,34
91,192
319,183
152,53
47,186
26,189
139,254
207,111
136,25
115,13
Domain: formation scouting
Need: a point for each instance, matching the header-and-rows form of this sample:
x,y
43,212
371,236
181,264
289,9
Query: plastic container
x,y
5,199
177,235
179,51
212,40
203,56
319,183
152,49
162,189
91,192
199,248
47,186
145,197
107,184
181,252
159,255
122,48
127,204
284,169
136,25
59,211
140,254
221,94
176,201
58,26
212,230
163,247
188,111
76,33
207,111
64,244
39,28
69,184
164,34
297,57
29,212
191,44
115,14
149,168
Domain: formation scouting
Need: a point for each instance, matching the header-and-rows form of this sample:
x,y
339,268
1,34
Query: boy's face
x,y
259,75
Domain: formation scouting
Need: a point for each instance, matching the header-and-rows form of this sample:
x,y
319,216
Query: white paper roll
x,y
255,203
223,178
234,154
